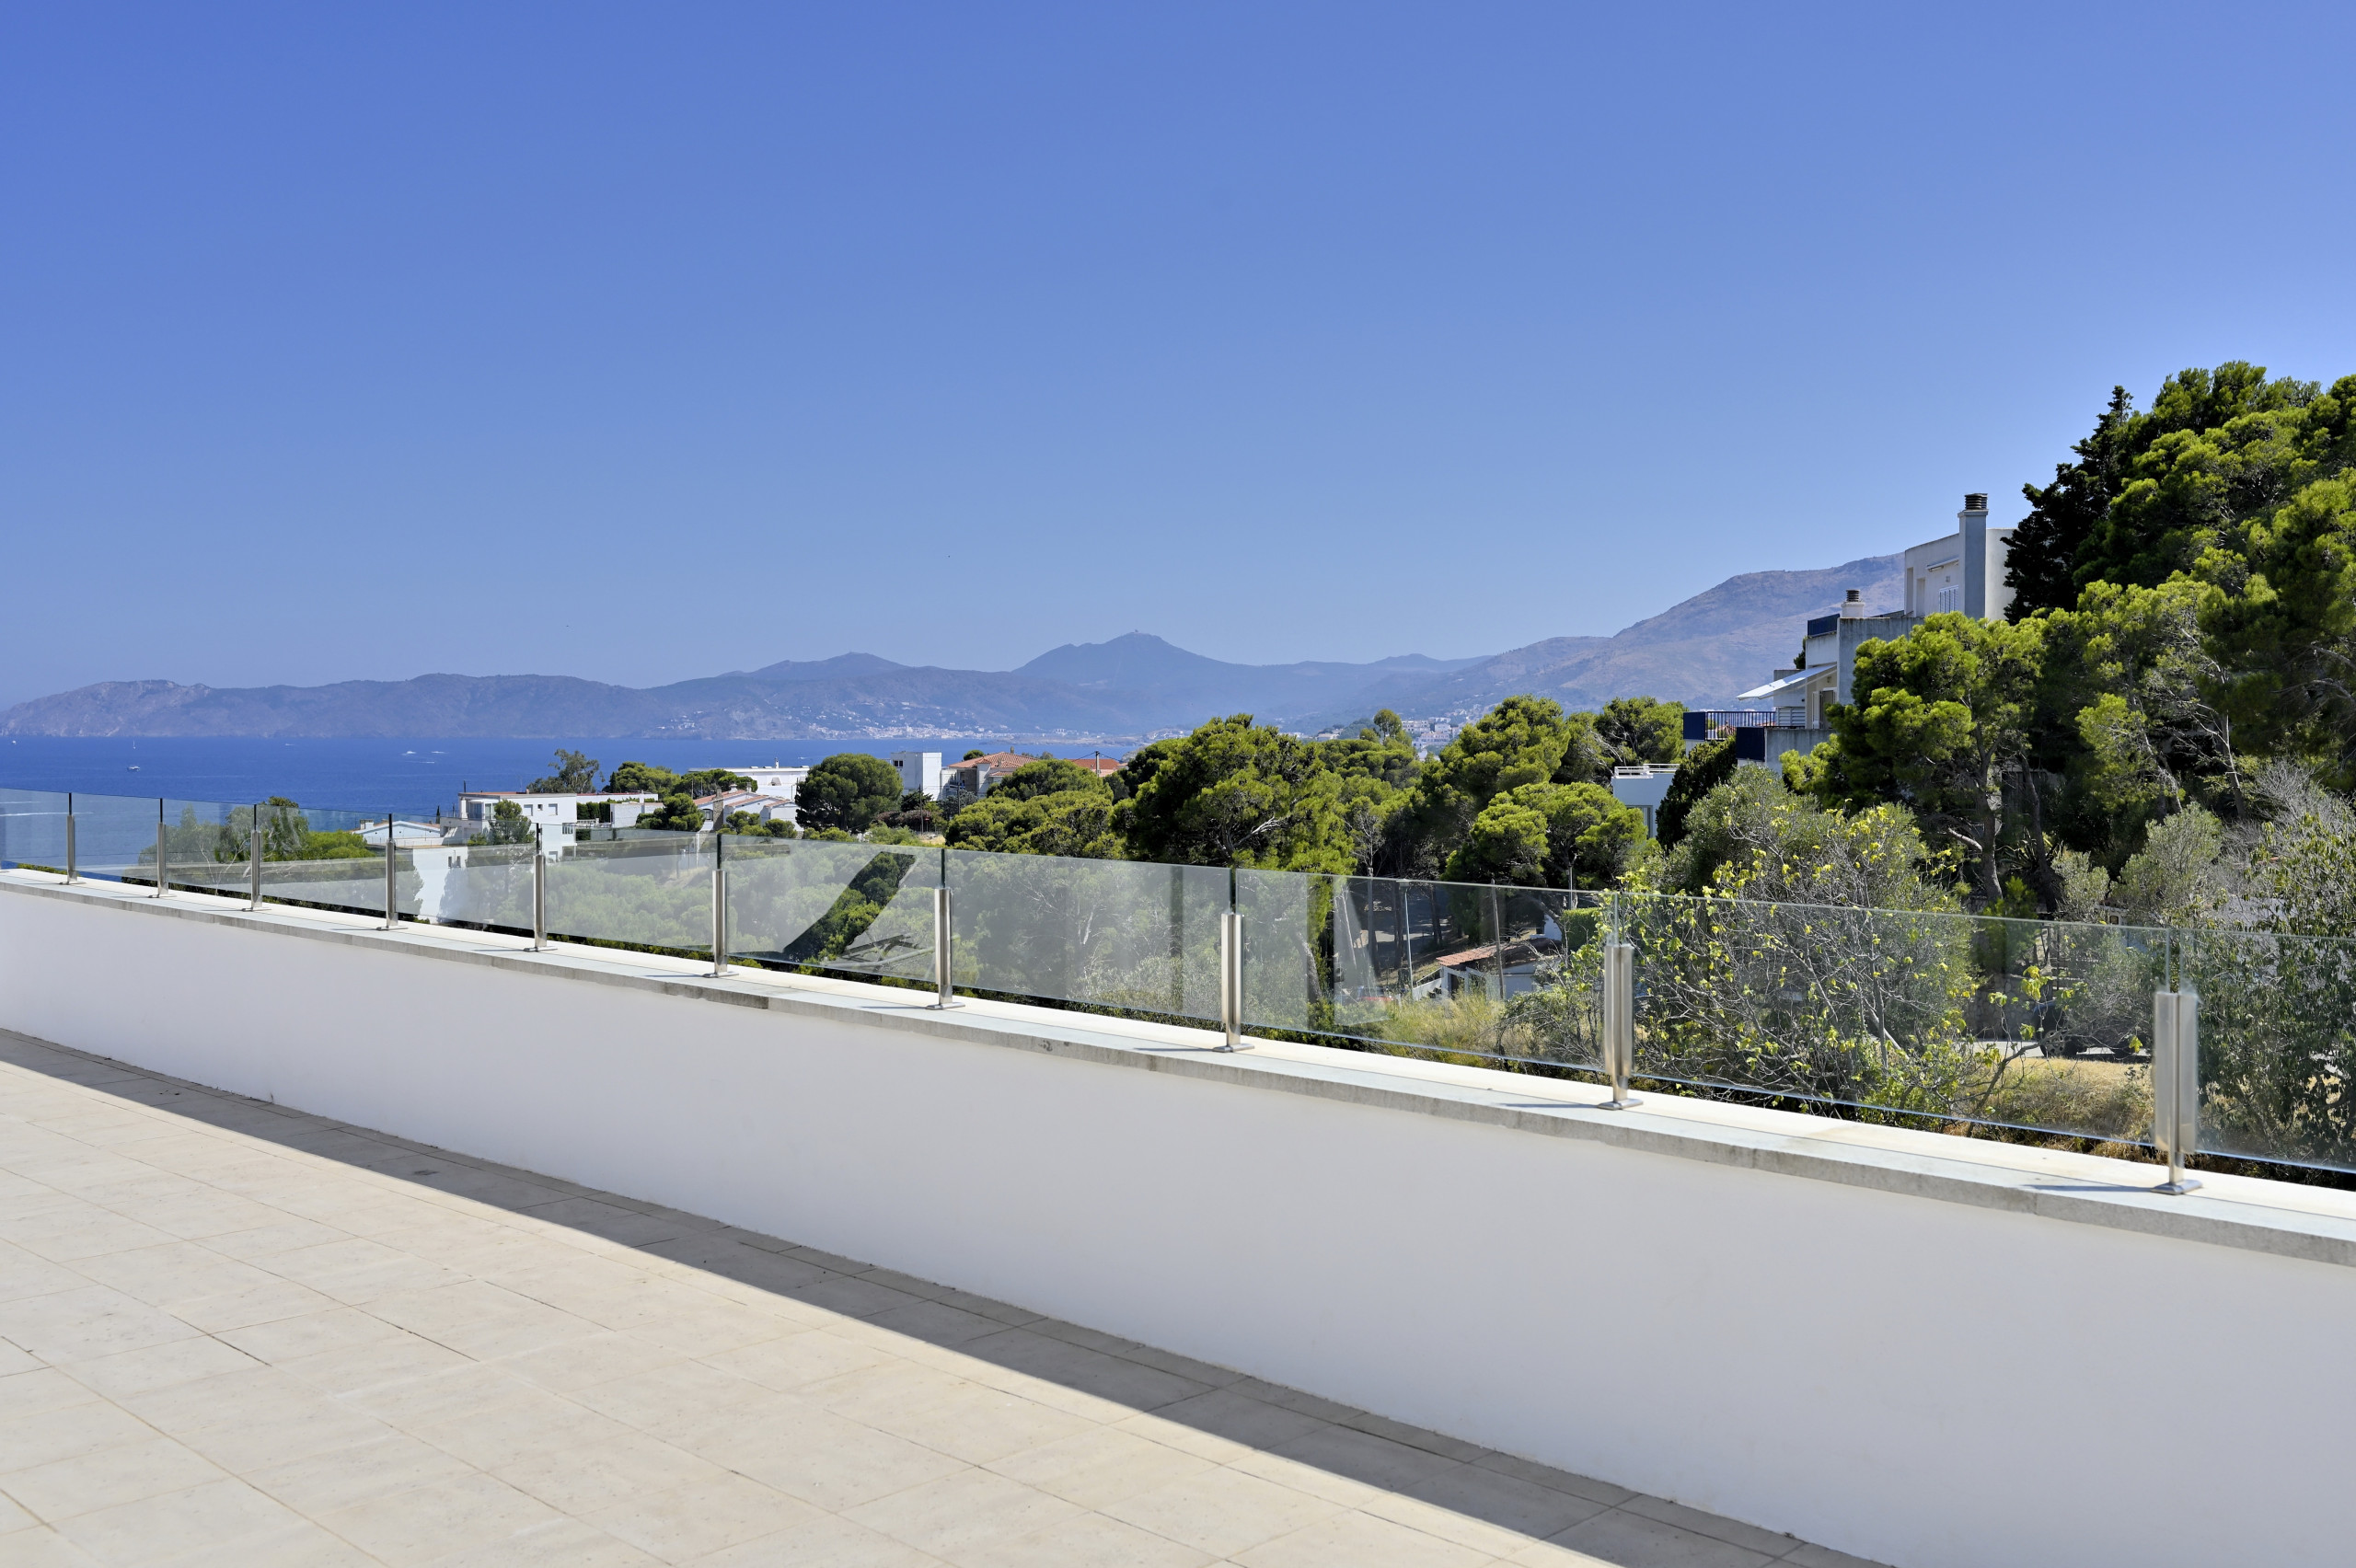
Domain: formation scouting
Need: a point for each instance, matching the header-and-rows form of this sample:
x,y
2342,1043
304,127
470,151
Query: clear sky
x,y
640,342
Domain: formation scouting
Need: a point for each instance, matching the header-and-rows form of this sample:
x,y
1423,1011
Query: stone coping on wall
x,y
2314,1223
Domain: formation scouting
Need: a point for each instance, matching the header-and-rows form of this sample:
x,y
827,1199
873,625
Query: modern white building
x,y
1643,787
767,808
774,780
918,770
1961,572
476,806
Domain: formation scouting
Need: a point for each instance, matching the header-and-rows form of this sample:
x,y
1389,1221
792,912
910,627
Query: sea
x,y
410,776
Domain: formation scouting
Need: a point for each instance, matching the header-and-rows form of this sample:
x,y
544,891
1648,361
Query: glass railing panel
x,y
115,837
1106,933
2278,1045
32,829
1482,974
485,886
331,860
206,846
1935,1015
866,908
1288,948
650,890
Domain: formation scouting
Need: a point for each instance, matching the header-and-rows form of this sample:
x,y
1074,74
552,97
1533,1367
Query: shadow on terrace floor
x,y
1590,1520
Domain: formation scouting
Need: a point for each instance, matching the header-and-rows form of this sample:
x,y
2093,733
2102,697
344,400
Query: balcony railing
x,y
1938,1017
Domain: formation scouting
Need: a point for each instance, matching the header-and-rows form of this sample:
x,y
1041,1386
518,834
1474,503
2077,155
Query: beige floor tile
x,y
23,1276
158,1366
123,1473
355,1270
1632,1540
13,1518
705,1516
679,1398
40,1389
154,1529
527,1424
13,1361
795,1361
1221,1511
1092,1540
299,1545
584,1362
1360,1541
565,1543
830,1541
86,1323
885,1390
66,1433
977,1424
820,1457
332,1328
362,1372
958,1514
424,1525
43,1548
1099,1466
323,1481
581,1481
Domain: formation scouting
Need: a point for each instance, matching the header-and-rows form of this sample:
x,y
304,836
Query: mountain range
x,y
1698,653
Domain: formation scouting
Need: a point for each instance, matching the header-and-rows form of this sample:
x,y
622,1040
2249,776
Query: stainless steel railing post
x,y
719,900
392,907
944,953
1619,1022
163,874
73,869
539,893
2175,1083
1230,979
256,839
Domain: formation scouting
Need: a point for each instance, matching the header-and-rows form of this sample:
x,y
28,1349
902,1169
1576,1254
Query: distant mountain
x,y
1168,686
840,665
1698,653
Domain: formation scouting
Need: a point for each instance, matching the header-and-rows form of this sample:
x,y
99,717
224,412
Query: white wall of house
x,y
1938,1384
918,770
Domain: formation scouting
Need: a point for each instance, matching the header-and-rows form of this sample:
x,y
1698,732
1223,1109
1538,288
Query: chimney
x,y
1975,501
1853,606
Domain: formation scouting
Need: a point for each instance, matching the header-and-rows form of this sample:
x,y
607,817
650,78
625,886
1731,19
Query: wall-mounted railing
x,y
2232,1043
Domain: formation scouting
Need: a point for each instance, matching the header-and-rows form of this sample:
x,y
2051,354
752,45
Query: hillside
x,y
1699,651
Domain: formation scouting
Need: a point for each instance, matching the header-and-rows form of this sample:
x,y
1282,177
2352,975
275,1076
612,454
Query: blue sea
x,y
410,776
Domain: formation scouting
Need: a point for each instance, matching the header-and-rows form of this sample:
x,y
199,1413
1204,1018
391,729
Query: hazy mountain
x,y
1699,652
1166,686
840,665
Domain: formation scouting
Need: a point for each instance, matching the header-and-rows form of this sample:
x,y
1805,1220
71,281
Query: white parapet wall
x,y
1931,1352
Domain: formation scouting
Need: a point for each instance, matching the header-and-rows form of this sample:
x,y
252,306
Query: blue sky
x,y
642,343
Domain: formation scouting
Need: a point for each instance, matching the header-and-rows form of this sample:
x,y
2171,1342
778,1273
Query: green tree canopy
x,y
1940,722
1077,823
576,774
848,791
1047,775
1712,764
1523,740
1549,835
1234,793
635,777
1640,729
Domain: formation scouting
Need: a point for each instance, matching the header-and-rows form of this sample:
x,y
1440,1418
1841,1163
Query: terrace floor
x,y
233,1334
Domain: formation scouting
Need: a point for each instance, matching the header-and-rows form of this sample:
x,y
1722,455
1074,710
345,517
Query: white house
x,y
918,770
477,806
1962,572
1643,787
774,780
768,807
